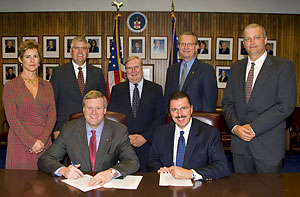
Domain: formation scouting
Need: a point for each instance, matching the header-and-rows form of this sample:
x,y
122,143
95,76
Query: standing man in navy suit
x,y
143,119
187,148
69,88
259,96
192,76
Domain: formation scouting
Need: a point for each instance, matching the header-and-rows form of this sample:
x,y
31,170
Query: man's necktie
x,y
180,150
249,82
183,75
80,80
135,100
93,149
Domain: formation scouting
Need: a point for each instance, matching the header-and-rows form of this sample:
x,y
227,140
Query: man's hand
x,y
37,147
244,132
181,173
137,140
71,172
177,172
101,178
55,134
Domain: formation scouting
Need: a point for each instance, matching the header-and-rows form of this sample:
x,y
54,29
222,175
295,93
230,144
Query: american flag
x,y
115,73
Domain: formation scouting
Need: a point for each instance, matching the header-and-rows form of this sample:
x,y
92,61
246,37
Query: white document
x,y
166,179
129,182
81,183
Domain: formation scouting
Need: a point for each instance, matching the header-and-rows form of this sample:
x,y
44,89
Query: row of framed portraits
x,y
10,71
137,47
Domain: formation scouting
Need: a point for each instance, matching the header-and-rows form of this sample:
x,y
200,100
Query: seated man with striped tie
x,y
187,148
93,144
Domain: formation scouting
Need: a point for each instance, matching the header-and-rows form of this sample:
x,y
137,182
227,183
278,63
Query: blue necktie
x,y
180,150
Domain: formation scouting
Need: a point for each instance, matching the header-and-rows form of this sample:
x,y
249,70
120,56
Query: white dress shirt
x,y
77,70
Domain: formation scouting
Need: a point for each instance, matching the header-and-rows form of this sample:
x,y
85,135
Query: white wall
x,y
243,6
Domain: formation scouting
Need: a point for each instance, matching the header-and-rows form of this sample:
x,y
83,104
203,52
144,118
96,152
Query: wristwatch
x,y
114,172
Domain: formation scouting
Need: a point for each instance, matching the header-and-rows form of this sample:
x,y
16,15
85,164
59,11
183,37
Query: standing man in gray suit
x,y
73,80
192,76
93,143
259,96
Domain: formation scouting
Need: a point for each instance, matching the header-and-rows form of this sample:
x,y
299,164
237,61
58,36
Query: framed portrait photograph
x,y
242,53
204,51
271,47
34,38
224,47
98,65
159,47
67,46
109,42
148,72
51,46
10,47
94,46
10,71
137,46
48,71
222,73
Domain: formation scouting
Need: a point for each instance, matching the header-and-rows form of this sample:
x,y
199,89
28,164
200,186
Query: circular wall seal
x,y
137,22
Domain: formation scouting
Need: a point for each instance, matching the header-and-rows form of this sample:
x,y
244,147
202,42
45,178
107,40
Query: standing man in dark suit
x,y
192,76
187,148
142,121
73,80
259,96
93,143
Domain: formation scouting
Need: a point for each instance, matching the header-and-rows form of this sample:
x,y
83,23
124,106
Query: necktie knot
x,y
181,133
79,68
93,132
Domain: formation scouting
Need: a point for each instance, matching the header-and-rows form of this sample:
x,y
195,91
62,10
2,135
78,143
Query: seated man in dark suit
x,y
93,143
148,114
187,148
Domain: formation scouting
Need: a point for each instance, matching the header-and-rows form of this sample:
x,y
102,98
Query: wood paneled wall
x,y
283,28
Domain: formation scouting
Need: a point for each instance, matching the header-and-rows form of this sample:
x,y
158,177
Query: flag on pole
x,y
115,72
173,51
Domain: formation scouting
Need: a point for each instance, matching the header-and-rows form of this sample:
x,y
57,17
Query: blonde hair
x,y
255,25
93,94
29,44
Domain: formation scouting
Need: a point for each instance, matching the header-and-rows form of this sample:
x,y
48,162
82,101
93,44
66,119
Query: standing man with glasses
x,y
192,76
259,96
142,102
187,148
73,80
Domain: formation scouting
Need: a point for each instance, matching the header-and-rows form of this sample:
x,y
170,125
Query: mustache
x,y
180,117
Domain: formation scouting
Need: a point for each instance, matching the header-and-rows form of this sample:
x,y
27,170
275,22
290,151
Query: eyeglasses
x,y
82,48
182,44
182,109
133,67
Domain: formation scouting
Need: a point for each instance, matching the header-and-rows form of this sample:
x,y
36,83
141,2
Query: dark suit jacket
x,y
68,98
200,85
114,146
272,100
204,151
150,112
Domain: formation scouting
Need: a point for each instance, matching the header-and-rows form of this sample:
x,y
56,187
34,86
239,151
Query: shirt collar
x,y
76,65
98,129
260,60
140,84
186,128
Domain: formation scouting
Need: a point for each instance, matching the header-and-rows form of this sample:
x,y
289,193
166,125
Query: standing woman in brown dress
x,y
30,111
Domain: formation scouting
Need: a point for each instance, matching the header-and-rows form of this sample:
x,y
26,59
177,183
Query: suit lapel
x,y
146,91
177,75
191,143
73,78
261,78
104,144
191,74
126,94
83,143
242,76
170,145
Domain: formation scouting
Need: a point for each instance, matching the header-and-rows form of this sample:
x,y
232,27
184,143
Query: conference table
x,y
36,183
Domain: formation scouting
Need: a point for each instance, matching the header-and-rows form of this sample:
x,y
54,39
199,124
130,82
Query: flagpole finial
x,y
118,5
172,8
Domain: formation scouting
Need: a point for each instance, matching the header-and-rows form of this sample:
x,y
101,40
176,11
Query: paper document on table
x,y
81,183
129,182
167,179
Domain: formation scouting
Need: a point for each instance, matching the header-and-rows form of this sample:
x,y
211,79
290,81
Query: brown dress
x,y
29,119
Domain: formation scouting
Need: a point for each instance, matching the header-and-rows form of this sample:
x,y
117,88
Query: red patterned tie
x,y
249,82
93,149
80,80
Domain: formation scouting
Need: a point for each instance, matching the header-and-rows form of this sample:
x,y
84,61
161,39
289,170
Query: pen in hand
x,y
78,165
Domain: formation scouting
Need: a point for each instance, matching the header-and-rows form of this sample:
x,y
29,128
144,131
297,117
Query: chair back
x,y
114,116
